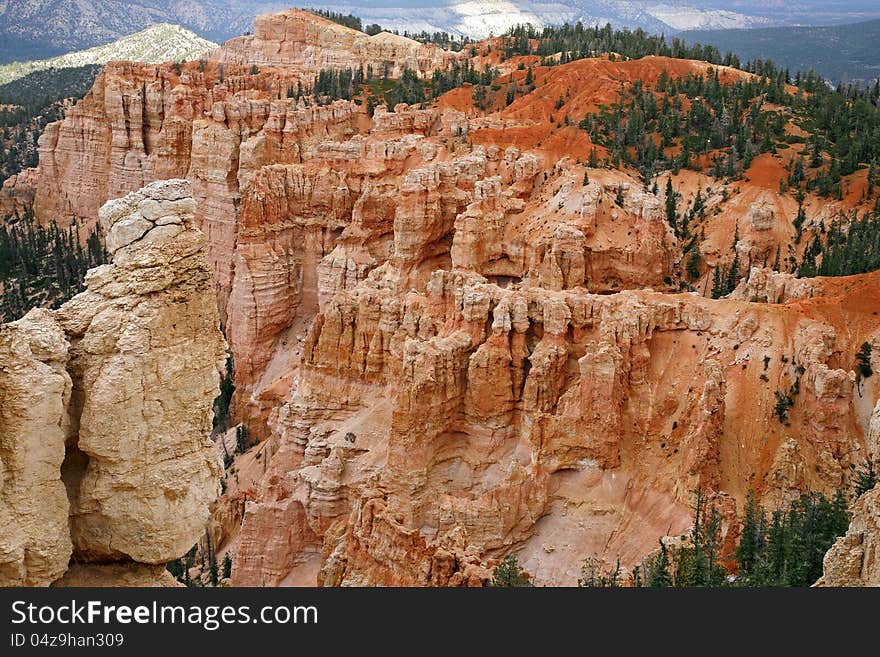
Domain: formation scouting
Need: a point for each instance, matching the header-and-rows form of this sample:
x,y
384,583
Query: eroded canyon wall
x,y
461,422
449,341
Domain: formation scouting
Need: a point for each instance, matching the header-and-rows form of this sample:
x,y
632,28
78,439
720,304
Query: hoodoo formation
x,y
105,407
457,328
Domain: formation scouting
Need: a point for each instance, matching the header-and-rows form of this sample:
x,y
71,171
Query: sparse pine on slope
x,y
43,265
28,104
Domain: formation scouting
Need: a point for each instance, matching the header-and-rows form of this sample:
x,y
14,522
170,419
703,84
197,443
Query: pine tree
x,y
213,572
783,403
752,540
694,261
863,361
866,479
658,569
637,576
732,276
777,539
715,573
509,574
863,365
671,206
717,283
798,222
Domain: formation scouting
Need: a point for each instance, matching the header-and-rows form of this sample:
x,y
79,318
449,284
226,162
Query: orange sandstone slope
x,y
448,345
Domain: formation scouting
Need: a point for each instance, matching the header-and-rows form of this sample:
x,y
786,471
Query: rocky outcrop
x,y
309,43
854,560
564,235
17,192
768,286
106,403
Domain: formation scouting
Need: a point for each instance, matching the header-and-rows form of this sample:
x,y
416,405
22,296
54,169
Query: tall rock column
x,y
105,407
145,365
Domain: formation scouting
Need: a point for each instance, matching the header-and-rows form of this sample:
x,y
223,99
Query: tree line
x,y
380,88
578,41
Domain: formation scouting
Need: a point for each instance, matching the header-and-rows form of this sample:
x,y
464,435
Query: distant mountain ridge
x,y
39,29
801,12
838,52
156,44
481,18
